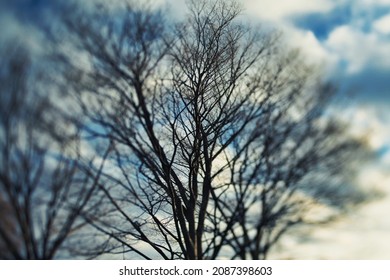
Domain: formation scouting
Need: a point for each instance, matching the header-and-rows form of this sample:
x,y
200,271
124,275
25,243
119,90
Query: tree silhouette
x,y
44,185
215,130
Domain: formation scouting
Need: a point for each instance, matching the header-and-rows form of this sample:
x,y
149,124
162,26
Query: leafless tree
x,y
213,126
44,185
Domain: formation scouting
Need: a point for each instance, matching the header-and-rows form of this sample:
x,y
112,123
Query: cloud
x,y
311,46
359,50
382,25
349,37
342,239
386,157
14,31
369,122
279,10
353,32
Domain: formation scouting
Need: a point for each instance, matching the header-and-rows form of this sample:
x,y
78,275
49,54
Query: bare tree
x,y
44,185
247,117
213,127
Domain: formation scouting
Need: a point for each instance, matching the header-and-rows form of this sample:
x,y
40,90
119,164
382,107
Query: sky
x,y
351,36
351,40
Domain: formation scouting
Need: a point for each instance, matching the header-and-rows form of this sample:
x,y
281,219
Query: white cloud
x,y
343,238
312,49
358,49
369,123
386,159
27,35
277,10
347,44
382,25
375,178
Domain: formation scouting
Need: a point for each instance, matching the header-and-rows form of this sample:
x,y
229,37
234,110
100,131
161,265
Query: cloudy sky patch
x,y
352,38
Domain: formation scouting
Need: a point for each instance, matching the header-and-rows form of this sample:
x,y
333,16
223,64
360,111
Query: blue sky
x,y
352,39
